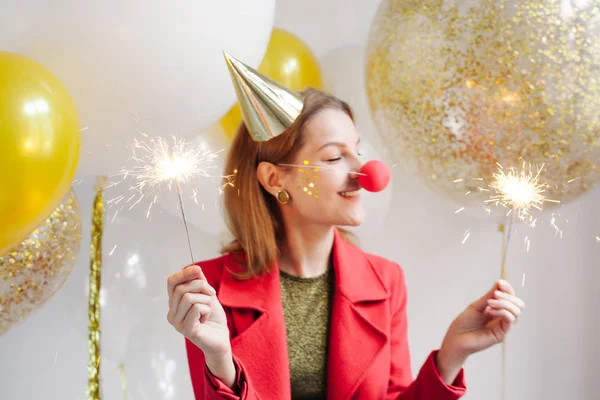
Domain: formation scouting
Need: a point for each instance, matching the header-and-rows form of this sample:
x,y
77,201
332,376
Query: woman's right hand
x,y
195,311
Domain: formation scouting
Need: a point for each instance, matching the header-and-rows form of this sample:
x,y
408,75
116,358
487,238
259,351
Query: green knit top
x,y
306,307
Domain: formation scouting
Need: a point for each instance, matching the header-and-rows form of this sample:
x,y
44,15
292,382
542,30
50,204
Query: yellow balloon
x,y
39,146
288,61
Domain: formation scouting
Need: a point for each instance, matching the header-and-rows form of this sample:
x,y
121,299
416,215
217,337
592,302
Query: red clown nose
x,y
376,176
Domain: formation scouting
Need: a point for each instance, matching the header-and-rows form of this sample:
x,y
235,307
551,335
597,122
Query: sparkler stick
x,y
187,232
505,243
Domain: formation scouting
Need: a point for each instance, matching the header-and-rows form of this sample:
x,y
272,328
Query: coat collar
x,y
358,326
355,278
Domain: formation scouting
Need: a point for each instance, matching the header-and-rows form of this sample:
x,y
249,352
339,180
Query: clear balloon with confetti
x,y
33,271
458,89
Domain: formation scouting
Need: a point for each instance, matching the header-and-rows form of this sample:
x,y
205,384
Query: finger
x,y
481,303
505,305
187,274
506,287
504,314
196,286
195,314
513,299
202,273
187,301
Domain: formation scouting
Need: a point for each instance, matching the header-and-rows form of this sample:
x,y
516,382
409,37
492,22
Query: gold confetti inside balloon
x,y
456,88
33,271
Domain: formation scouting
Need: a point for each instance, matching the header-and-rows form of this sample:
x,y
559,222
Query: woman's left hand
x,y
483,324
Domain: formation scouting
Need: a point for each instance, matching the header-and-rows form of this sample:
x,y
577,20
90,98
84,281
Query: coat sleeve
x,y
429,384
207,387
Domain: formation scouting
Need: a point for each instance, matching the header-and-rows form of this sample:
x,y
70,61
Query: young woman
x,y
293,310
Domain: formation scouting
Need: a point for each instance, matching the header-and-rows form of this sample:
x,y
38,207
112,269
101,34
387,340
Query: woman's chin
x,y
356,219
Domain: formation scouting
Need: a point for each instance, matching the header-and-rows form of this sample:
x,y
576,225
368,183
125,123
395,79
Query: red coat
x,y
368,347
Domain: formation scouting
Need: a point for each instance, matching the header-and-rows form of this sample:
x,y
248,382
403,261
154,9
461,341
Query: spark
x,y
113,250
229,181
466,236
527,241
141,133
159,163
557,230
519,190
459,210
597,239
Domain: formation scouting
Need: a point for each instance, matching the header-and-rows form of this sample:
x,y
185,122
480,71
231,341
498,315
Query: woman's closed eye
x,y
338,158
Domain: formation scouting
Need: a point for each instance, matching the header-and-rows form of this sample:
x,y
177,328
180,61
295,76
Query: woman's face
x,y
327,194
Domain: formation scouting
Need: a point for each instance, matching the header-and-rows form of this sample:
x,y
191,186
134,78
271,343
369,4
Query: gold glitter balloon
x,y
32,272
456,88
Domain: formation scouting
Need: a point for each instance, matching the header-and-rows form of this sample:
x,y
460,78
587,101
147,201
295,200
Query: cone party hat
x,y
268,108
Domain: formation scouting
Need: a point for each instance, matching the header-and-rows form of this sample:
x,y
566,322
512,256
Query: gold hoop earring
x,y
283,196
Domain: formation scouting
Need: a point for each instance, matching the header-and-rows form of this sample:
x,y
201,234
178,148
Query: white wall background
x,y
552,352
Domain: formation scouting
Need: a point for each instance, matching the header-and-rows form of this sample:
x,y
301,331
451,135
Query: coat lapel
x,y
359,317
357,327
262,347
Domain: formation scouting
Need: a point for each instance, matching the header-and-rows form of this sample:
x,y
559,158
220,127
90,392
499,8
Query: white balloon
x,y
343,76
132,65
156,364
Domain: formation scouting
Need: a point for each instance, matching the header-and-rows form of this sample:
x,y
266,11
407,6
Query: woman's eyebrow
x,y
339,144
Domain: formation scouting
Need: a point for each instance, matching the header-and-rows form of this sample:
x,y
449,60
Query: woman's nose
x,y
355,168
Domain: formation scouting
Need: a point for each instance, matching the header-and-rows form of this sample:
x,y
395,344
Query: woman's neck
x,y
307,250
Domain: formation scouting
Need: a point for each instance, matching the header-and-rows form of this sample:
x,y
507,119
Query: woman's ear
x,y
270,177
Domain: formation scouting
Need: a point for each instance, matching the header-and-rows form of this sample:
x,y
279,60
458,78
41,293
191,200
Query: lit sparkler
x,y
158,163
520,191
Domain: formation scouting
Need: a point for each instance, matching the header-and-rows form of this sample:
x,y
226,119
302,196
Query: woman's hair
x,y
252,213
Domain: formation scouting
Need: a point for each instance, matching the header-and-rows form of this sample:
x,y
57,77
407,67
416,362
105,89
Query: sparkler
x,y
520,191
158,164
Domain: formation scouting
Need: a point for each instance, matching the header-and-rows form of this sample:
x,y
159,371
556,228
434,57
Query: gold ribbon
x,y
93,389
